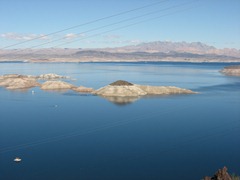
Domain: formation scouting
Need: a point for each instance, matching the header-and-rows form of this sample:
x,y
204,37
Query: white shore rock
x,y
51,76
56,85
164,90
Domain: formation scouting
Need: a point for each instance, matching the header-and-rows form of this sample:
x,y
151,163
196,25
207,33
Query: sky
x,y
213,22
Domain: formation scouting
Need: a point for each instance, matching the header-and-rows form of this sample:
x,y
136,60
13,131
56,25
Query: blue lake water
x,y
67,135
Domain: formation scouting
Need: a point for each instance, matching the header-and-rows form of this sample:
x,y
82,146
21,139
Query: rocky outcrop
x,y
231,70
221,174
83,89
56,85
14,76
16,81
51,76
164,90
116,89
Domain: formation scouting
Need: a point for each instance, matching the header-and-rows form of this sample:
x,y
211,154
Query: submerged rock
x,y
231,70
83,89
56,85
221,174
51,76
12,76
131,90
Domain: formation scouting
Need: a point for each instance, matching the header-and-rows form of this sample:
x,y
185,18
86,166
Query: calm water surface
x,y
66,135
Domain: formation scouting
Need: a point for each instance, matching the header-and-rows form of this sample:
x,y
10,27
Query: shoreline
x,y
117,61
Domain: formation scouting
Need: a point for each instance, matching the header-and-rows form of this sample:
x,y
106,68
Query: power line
x,y
125,20
122,27
87,23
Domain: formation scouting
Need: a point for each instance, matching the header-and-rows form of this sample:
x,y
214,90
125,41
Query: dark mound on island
x,y
121,83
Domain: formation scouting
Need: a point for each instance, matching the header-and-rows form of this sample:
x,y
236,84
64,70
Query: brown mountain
x,y
152,51
180,47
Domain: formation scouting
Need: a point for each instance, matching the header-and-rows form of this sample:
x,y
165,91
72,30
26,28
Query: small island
x,y
122,88
119,92
231,70
52,82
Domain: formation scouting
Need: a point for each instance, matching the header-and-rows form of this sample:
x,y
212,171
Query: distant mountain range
x,y
179,47
152,51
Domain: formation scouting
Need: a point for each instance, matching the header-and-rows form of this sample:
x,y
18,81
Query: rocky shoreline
x,y
231,70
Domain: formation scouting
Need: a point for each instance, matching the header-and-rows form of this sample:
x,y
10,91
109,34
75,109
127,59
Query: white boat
x,y
17,159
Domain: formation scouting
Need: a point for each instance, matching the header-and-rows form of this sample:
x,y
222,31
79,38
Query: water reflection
x,y
121,100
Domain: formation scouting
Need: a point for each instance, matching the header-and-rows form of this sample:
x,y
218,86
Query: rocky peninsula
x,y
231,70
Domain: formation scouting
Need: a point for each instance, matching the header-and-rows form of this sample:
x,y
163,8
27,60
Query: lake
x,y
67,135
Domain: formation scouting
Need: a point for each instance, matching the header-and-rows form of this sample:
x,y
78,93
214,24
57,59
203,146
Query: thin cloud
x,y
133,41
119,42
73,36
23,37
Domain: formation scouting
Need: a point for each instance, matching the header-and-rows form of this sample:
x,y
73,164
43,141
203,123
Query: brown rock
x,y
221,174
121,83
18,82
231,70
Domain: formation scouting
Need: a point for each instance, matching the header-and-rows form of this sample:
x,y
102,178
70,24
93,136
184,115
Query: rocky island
x,y
231,70
18,81
222,174
125,89
123,92
120,92
15,81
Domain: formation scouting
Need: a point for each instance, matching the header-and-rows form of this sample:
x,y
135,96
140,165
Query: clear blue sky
x,y
214,22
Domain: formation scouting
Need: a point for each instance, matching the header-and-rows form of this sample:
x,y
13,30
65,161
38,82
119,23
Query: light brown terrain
x,y
152,51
